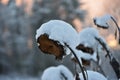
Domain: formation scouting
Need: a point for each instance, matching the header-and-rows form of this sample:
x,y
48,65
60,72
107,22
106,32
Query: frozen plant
x,y
91,44
52,36
58,38
102,22
91,75
57,73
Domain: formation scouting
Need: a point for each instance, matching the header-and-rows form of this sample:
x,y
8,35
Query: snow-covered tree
x,y
13,22
57,73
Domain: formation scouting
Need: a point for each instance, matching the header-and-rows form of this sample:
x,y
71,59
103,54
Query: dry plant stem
x,y
103,45
108,54
100,68
78,62
117,27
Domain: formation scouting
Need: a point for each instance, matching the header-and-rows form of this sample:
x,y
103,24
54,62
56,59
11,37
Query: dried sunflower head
x,y
50,46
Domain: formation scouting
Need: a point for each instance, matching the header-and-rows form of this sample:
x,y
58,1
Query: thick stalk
x,y
82,70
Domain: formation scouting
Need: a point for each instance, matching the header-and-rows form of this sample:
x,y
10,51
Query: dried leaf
x,y
49,46
85,49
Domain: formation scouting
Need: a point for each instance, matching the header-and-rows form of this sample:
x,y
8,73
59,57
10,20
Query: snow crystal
x,y
102,21
92,75
57,73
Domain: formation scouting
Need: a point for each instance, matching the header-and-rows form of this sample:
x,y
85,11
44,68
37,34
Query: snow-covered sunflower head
x,y
53,35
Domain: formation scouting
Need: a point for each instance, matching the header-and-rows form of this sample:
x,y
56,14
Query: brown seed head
x,y
49,46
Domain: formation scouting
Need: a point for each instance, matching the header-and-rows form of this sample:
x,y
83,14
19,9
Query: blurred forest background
x,y
19,20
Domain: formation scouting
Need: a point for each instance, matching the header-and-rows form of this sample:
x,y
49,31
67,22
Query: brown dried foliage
x,y
49,46
85,49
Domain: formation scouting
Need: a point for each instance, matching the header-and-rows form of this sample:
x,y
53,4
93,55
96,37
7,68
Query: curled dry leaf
x,y
49,46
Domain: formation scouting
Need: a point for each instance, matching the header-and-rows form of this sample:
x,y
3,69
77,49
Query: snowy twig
x,y
78,62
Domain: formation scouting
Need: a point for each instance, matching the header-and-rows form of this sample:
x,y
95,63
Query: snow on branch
x,y
57,73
